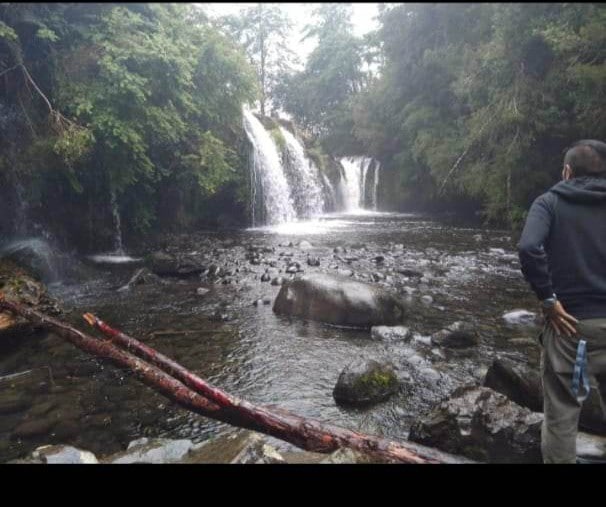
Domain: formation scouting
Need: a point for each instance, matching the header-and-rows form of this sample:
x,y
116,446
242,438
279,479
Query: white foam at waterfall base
x,y
277,201
113,259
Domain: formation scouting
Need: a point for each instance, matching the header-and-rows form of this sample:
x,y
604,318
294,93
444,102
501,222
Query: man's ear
x,y
567,172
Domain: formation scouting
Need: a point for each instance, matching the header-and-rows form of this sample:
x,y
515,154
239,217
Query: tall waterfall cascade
x,y
286,186
270,185
304,177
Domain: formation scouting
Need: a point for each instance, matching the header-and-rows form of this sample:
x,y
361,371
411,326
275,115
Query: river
x,y
472,275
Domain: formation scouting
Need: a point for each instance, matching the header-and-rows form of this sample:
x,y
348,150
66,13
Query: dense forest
x,y
133,112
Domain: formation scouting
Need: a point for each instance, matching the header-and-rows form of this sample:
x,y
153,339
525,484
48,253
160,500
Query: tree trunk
x,y
195,394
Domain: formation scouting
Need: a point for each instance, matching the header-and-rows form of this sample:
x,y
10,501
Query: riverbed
x,y
470,274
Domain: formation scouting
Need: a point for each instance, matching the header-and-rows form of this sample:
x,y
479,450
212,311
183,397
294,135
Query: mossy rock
x,y
18,285
365,383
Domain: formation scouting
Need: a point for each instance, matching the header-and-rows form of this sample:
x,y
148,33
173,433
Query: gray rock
x,y
345,456
457,336
339,301
257,451
265,277
277,280
364,382
484,425
313,261
164,264
158,450
236,447
64,454
201,291
427,299
522,384
305,245
378,276
411,273
345,272
520,318
391,333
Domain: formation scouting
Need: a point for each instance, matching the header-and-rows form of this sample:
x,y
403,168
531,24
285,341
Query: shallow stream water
x,y
69,397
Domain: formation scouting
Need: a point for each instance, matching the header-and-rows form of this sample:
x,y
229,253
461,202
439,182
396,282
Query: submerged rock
x,y
457,335
340,301
391,333
365,382
164,264
484,425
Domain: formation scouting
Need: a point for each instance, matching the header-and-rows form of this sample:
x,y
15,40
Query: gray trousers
x,y
560,406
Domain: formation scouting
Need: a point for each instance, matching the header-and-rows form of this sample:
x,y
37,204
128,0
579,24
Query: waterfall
x,y
375,188
35,253
118,248
330,192
303,176
353,182
268,175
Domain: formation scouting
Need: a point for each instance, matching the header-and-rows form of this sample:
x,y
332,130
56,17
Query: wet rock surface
x,y
20,286
365,382
484,425
521,383
339,301
458,335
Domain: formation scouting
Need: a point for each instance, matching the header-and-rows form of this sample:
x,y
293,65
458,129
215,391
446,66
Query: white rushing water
x,y
375,188
303,176
353,182
268,175
118,248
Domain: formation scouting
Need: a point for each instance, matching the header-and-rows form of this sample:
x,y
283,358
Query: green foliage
x,y
263,31
6,32
150,98
477,101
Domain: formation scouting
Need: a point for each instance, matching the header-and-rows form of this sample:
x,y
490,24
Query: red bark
x,y
193,393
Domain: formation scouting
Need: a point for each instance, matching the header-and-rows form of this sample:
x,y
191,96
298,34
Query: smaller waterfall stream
x,y
118,247
353,182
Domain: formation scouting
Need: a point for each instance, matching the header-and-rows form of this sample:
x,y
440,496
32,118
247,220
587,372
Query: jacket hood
x,y
584,190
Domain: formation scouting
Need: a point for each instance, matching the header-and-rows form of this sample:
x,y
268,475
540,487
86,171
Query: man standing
x,y
563,256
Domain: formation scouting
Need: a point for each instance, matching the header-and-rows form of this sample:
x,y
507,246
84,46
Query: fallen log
x,y
196,395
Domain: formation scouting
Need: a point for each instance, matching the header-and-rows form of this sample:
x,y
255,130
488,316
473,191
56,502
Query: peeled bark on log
x,y
213,403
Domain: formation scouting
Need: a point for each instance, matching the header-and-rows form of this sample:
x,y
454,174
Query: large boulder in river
x,y
482,424
522,384
165,264
339,301
365,382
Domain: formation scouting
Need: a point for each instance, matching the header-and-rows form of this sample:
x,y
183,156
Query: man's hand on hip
x,y
561,321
